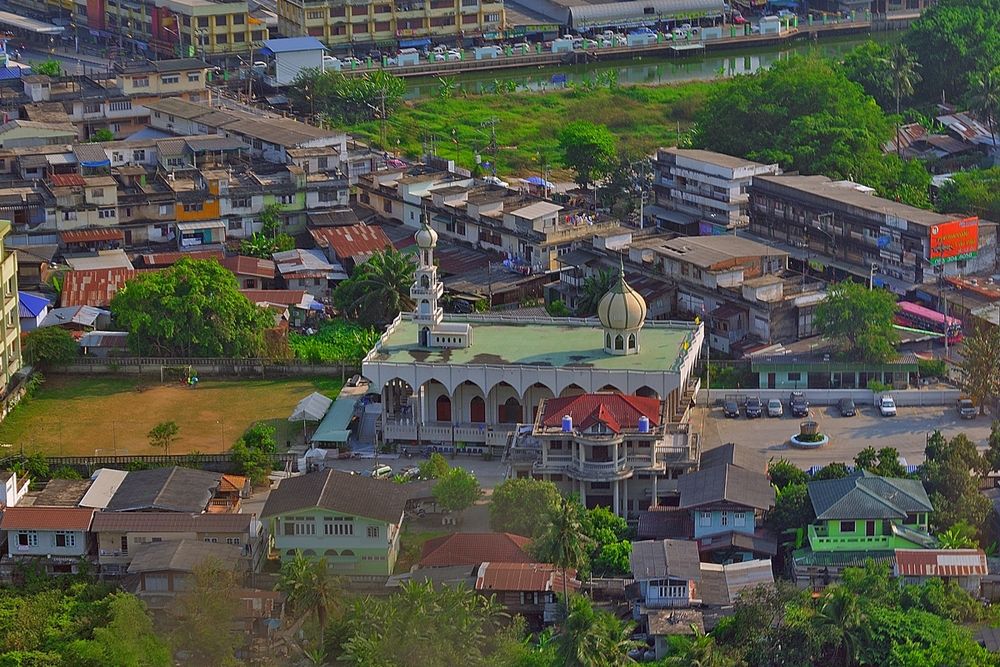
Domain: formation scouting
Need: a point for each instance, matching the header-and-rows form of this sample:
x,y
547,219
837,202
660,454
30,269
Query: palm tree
x,y
379,288
563,543
700,651
593,638
841,616
594,288
902,67
986,100
310,588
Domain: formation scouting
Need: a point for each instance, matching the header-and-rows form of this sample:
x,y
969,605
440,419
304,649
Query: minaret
x,y
427,289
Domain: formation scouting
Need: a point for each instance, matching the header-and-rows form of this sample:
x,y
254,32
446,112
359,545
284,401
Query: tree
x,y
205,612
792,511
457,490
270,219
986,100
980,366
865,65
593,638
860,321
253,453
783,472
310,588
128,640
192,309
102,135
378,290
163,435
698,651
588,149
435,467
902,70
610,547
50,346
973,192
842,619
522,506
263,246
562,543
953,489
959,536
884,462
47,68
347,99
833,470
595,286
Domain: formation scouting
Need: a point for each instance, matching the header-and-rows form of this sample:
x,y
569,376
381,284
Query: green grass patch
x,y
411,545
336,341
643,118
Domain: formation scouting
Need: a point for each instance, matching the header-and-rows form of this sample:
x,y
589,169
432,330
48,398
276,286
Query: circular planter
x,y
824,439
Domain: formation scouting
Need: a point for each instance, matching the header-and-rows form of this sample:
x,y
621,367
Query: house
x,y
251,273
14,489
352,522
666,573
861,517
103,485
475,548
104,343
166,490
76,318
31,310
162,570
726,503
120,534
351,245
308,271
661,625
298,303
530,590
55,537
732,454
721,584
966,567
286,57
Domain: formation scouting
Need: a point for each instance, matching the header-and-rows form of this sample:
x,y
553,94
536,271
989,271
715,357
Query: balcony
x,y
445,432
594,471
436,290
819,540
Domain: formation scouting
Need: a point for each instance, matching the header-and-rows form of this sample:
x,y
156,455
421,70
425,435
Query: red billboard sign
x,y
954,240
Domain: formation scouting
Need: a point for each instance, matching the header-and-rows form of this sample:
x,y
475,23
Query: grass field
x,y
642,117
73,415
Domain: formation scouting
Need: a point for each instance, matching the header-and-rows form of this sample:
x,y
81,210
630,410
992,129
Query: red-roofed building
x,y
615,450
475,548
966,567
528,589
93,287
57,537
251,272
350,245
161,260
67,180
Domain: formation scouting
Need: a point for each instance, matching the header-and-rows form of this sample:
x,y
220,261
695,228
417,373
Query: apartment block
x,y
10,324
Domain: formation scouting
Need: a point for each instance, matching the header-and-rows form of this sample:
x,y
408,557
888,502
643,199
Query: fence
x,y
903,398
207,366
214,462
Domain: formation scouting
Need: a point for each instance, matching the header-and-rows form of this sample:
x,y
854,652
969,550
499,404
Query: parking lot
x,y
907,432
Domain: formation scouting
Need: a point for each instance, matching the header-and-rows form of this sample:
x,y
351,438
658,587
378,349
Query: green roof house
x,y
865,512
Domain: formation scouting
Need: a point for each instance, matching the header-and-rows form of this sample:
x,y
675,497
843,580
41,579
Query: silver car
x,y
774,408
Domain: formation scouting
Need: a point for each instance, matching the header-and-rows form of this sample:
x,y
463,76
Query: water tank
x,y
644,424
567,424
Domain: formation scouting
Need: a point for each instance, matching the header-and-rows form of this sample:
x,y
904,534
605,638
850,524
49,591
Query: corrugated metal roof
x,y
93,287
529,577
96,234
183,556
940,563
721,584
67,180
659,559
292,44
31,305
250,266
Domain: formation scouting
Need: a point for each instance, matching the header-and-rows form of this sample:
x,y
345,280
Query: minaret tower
x,y
427,289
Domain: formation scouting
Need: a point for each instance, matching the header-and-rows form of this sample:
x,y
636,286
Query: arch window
x,y
477,410
631,341
443,408
619,342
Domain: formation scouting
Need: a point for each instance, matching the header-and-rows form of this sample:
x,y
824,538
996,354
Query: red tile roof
x,y
284,297
940,563
46,518
249,266
93,287
352,240
617,411
64,180
475,548
88,235
533,577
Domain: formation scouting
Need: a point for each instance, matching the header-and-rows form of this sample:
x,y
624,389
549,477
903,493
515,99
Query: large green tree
x,y
563,542
50,346
379,289
192,309
593,638
860,321
973,192
205,612
588,149
595,286
347,99
980,378
522,506
310,588
901,67
457,490
985,99
865,65
950,474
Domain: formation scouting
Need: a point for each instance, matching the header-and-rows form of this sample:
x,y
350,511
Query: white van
x,y
380,472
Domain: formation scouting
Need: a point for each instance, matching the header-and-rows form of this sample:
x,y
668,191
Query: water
x,y
658,70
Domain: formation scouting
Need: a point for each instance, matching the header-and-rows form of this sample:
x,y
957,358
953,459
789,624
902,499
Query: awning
x,y
333,428
311,408
414,43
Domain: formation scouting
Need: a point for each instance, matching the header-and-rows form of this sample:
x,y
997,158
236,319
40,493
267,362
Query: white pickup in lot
x,y
886,406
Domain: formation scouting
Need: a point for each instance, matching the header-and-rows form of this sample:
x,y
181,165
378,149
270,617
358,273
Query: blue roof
x,y
31,305
291,44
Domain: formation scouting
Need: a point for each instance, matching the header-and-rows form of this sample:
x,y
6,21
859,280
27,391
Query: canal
x,y
648,71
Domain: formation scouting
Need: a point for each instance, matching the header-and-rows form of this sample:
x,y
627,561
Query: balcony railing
x,y
444,432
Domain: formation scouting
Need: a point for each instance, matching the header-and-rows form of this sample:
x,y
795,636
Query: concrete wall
x,y
862,397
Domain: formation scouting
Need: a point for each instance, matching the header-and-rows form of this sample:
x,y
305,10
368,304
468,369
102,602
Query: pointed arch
x,y
619,342
442,408
647,392
571,390
631,341
477,410
610,388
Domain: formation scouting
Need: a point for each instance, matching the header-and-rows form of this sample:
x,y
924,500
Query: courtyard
x,y
87,416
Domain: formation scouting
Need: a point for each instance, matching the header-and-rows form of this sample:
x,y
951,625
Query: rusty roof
x,y
284,297
46,518
93,287
475,548
540,577
941,563
67,180
249,266
164,259
351,240
88,235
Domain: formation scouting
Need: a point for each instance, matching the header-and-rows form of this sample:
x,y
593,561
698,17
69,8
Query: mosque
x,y
471,380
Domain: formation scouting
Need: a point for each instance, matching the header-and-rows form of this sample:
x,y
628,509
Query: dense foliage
x,y
859,320
192,309
953,490
50,346
589,149
347,99
336,341
253,453
456,490
378,289
980,378
974,192
522,506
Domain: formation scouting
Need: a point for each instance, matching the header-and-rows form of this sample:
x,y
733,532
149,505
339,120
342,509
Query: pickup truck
x,y
886,406
754,407
798,404
966,408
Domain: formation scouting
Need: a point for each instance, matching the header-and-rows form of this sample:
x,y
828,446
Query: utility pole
x,y
491,147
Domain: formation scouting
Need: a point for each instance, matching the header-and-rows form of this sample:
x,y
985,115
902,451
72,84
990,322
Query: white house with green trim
x,y
352,521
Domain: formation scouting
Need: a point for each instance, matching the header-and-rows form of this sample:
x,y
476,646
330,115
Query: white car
x,y
259,64
453,54
774,408
351,61
887,406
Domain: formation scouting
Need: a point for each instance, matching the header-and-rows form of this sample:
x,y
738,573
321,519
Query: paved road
x,y
489,473
907,432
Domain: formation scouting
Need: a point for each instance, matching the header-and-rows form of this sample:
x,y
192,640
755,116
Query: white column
x,y
625,497
653,503
583,493
616,504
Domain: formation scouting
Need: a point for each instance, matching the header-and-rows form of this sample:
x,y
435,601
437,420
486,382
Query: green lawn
x,y
642,117
73,415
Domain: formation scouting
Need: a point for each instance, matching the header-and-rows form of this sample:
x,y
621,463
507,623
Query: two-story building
x,y
56,538
351,521
667,573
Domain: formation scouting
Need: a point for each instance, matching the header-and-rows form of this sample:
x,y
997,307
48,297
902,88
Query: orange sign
x,y
954,240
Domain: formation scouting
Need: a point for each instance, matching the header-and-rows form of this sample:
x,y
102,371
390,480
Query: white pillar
x,y
625,497
616,504
583,493
653,503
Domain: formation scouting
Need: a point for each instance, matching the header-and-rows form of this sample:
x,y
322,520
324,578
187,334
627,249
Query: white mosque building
x,y
470,380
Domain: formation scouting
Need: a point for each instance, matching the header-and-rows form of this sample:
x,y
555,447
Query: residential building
x,y
824,371
351,521
251,273
475,548
529,590
163,78
93,288
853,233
162,570
661,625
289,56
308,271
170,490
76,318
121,535
10,321
343,25
614,450
57,538
350,245
698,192
14,489
721,585
667,572
31,310
861,516
965,567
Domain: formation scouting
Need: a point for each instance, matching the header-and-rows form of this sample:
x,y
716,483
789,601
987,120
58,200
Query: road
x,y
489,473
907,432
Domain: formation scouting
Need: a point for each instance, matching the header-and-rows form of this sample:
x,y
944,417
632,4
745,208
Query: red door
x,y
477,410
443,409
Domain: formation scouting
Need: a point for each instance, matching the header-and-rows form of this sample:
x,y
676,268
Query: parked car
x,y
966,408
754,407
798,404
454,54
409,472
785,13
356,381
774,408
847,407
731,409
379,472
886,406
351,61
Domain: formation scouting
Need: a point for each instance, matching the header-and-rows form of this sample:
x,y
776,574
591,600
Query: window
x,y
373,532
64,539
322,162
124,544
338,525
170,79
164,209
328,195
301,525
233,540
202,21
220,20
139,155
155,583
237,19
106,213
286,199
241,202
847,526
705,518
724,518
739,518
27,539
212,540
314,16
194,77
140,82
98,193
69,215
191,208
492,18
794,377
